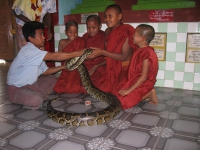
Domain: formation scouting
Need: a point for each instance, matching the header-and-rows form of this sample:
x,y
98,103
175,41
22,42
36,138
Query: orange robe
x,y
70,81
134,72
95,41
115,40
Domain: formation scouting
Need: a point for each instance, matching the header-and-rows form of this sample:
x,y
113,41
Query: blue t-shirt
x,y
27,66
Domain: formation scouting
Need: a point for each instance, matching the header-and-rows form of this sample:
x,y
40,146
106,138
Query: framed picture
x,y
159,45
193,48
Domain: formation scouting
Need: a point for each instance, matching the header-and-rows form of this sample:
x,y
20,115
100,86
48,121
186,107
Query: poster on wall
x,y
161,15
84,16
193,48
159,45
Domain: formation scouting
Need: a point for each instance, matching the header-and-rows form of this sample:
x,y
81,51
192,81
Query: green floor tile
x,y
188,77
179,66
178,84
169,75
182,27
170,56
162,27
180,47
171,37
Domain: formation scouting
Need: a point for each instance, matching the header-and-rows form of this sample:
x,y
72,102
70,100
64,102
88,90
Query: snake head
x,y
88,51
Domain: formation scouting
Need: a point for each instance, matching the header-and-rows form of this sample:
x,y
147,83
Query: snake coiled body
x,y
90,118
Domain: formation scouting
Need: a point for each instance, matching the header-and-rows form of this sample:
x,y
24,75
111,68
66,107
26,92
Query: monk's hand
x,y
124,92
96,52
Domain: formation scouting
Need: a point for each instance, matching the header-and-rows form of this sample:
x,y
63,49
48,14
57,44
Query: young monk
x,y
94,37
142,72
118,49
29,80
69,81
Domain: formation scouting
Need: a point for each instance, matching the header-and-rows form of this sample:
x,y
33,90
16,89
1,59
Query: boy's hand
x,y
124,92
96,52
93,70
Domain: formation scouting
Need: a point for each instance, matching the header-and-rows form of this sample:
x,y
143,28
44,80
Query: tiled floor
x,y
173,124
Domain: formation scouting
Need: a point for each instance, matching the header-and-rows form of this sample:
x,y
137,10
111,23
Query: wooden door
x,y
6,38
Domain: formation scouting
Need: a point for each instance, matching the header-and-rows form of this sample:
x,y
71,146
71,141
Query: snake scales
x,y
90,118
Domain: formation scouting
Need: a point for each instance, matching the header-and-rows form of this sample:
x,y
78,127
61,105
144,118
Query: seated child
x,y
94,37
70,81
142,72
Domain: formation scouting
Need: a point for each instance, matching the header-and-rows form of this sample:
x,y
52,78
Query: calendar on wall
x,y
193,48
159,45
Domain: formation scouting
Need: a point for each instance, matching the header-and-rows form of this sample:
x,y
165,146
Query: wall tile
x,y
196,86
162,65
82,28
180,47
178,84
179,66
172,27
169,83
188,85
193,27
170,65
169,75
171,47
57,29
197,78
197,68
171,37
160,83
178,76
182,27
188,76
180,57
63,36
189,67
57,36
162,27
161,74
170,56
181,37
62,29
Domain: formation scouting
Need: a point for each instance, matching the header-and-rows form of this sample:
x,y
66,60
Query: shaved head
x,y
116,7
147,31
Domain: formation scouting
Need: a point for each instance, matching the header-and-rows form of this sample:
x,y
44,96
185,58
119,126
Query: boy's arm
x,y
141,79
117,56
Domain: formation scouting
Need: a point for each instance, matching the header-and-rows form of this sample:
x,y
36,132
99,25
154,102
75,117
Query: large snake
x,y
90,118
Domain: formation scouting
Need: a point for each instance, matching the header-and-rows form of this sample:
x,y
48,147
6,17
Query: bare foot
x,y
153,97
